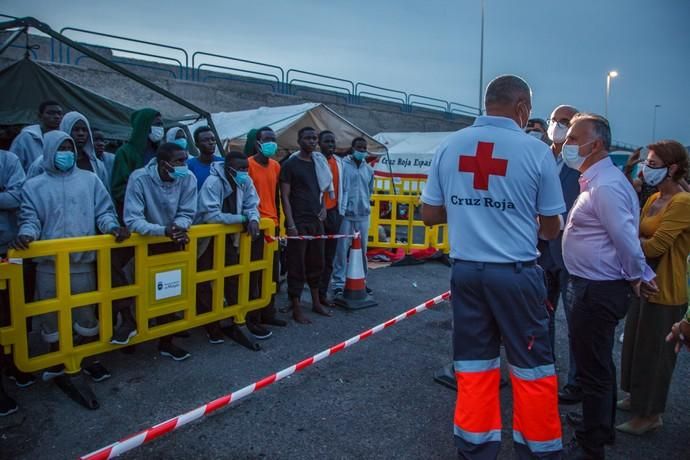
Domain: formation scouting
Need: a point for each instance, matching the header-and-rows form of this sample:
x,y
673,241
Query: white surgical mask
x,y
571,155
654,176
156,134
557,132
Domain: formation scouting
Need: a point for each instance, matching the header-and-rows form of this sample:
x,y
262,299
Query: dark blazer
x,y
551,253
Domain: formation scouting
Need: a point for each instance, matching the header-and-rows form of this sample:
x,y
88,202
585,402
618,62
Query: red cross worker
x,y
497,188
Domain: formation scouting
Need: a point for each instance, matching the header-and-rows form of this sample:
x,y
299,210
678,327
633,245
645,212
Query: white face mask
x,y
571,155
156,134
654,176
557,132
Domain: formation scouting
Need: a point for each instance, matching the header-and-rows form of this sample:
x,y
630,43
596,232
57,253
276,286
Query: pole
x,y
481,63
656,106
608,89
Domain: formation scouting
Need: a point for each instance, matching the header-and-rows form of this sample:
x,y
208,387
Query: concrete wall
x,y
220,94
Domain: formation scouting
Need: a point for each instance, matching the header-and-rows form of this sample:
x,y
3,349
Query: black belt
x,y
511,265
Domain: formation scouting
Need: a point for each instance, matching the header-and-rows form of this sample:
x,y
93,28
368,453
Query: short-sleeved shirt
x,y
332,203
493,180
201,170
265,180
305,194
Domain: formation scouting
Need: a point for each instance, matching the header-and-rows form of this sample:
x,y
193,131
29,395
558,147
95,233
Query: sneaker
x,y
215,335
173,351
337,292
259,331
123,334
7,405
22,379
369,291
52,372
97,372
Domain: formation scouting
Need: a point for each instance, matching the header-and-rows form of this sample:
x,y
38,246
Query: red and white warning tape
x,y
173,424
271,239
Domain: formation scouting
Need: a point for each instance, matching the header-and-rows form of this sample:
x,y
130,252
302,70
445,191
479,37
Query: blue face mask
x,y
269,149
182,142
241,177
358,155
64,160
179,172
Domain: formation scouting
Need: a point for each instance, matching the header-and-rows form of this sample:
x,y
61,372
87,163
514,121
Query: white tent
x,y
409,154
286,121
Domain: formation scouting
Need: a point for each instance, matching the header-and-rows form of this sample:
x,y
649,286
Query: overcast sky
x,y
431,47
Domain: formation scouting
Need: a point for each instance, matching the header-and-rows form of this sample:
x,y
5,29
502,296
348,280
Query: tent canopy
x,y
286,121
409,154
26,84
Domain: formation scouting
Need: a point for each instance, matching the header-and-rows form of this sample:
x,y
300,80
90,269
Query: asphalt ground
x,y
376,399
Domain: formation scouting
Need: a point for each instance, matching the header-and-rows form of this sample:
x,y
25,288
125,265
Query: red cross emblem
x,y
483,165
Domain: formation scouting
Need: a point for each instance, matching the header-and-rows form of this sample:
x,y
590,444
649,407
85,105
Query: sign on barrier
x,y
164,283
399,185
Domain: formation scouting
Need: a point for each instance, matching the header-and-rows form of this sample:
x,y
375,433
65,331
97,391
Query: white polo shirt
x,y
493,180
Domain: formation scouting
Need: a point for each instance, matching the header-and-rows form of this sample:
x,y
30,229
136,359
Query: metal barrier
x,y
196,68
164,284
179,75
349,90
396,223
400,96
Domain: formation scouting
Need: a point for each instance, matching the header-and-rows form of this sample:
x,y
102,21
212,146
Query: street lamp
x,y
481,62
609,76
656,106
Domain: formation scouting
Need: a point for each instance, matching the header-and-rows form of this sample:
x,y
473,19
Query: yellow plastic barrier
x,y
396,223
163,284
403,186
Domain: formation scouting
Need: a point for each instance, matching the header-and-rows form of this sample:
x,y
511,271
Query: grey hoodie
x,y
59,204
216,189
151,204
356,190
66,126
11,180
28,145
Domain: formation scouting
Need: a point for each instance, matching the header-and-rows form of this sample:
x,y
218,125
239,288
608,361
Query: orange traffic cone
x,y
355,296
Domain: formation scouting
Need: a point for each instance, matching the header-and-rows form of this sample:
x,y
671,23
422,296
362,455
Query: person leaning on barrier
x,y
227,197
28,145
11,180
161,200
355,207
265,173
77,126
66,202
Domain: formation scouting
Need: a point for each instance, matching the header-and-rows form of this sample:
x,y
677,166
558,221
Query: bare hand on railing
x,y
120,234
177,234
21,242
253,229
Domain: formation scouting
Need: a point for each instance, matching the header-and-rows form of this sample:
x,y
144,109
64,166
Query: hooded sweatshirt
x,y
357,187
11,180
59,204
214,192
151,204
131,155
28,145
97,165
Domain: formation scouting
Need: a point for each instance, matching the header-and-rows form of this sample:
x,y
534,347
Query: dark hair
x,y
234,155
602,130
506,90
533,121
672,153
166,150
301,132
357,139
44,105
199,130
261,130
323,133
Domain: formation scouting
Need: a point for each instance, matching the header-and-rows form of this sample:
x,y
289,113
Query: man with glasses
x,y
551,258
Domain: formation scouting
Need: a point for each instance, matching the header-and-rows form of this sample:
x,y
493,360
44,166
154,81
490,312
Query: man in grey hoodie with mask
x,y
64,202
77,126
227,197
355,207
161,200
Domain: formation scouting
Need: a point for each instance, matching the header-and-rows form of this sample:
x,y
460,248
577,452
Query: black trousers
x,y
305,258
256,281
597,307
331,227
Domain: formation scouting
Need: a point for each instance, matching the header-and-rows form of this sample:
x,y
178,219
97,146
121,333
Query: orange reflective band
x,y
535,408
478,408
